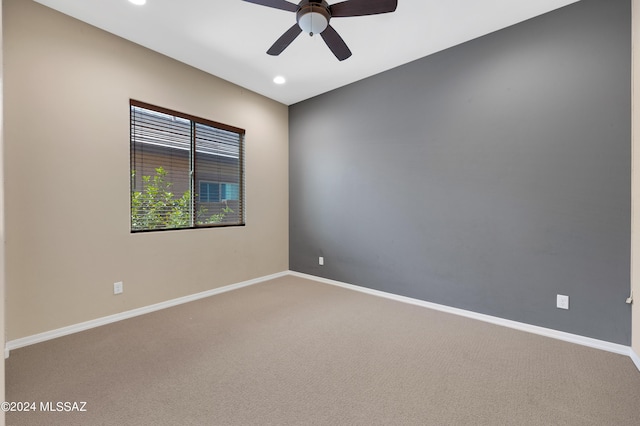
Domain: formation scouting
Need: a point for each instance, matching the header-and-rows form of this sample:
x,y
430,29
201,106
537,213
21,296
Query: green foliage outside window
x,y
157,207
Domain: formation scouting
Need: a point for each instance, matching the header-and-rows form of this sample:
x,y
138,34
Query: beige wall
x,y
2,233
67,93
635,218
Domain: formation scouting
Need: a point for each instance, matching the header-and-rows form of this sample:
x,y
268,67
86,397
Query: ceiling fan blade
x,y
276,4
362,7
285,40
335,43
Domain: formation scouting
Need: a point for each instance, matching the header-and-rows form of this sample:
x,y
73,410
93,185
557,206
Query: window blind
x,y
176,156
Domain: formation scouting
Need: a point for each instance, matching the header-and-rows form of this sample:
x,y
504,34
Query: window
x,y
186,172
214,192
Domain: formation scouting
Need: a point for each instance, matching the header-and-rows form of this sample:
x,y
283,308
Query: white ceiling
x,y
229,38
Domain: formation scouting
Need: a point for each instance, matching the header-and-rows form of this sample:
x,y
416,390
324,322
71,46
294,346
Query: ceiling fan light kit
x,y
313,17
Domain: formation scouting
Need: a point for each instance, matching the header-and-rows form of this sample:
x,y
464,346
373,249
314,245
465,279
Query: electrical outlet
x,y
118,287
562,302
321,261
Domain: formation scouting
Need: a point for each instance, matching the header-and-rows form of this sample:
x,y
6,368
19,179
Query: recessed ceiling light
x,y
138,2
279,80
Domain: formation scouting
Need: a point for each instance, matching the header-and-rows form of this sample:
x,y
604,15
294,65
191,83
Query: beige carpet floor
x,y
297,352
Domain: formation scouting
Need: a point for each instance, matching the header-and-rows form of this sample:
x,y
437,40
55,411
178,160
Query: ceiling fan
x,y
313,16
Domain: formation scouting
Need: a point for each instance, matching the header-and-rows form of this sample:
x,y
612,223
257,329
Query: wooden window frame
x,y
193,172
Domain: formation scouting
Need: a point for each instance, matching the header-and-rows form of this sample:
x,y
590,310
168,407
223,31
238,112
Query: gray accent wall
x,y
489,177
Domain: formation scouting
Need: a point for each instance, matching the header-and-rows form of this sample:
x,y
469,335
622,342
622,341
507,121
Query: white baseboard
x,y
48,335
555,334
635,358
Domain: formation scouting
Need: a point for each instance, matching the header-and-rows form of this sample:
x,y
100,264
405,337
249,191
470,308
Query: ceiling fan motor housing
x,y
313,16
